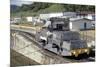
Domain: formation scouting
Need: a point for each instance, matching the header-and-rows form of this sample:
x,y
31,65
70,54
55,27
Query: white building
x,y
80,24
34,20
15,20
88,15
69,14
58,14
49,15
29,19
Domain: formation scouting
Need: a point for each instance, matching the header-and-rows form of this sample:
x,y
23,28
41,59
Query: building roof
x,y
85,12
82,19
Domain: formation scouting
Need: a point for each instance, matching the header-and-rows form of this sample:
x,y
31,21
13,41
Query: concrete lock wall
x,y
30,50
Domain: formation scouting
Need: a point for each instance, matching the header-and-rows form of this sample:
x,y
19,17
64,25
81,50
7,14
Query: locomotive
x,y
58,38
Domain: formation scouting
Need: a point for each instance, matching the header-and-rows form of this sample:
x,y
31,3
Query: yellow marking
x,y
80,51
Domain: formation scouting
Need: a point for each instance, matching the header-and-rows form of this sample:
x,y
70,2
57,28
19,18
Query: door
x,y
85,26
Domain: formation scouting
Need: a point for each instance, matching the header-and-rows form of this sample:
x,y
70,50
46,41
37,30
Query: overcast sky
x,y
19,2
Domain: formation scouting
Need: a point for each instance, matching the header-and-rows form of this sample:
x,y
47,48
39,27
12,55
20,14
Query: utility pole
x,y
14,39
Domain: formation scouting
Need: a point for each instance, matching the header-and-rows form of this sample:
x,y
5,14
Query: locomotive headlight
x,y
74,52
89,45
86,50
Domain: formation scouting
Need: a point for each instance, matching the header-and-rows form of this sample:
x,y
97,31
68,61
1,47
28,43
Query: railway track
x,y
31,38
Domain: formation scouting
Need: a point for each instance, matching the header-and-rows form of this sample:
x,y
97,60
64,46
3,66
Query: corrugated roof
x,y
80,19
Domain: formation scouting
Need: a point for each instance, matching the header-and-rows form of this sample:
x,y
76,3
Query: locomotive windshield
x,y
74,39
77,44
67,36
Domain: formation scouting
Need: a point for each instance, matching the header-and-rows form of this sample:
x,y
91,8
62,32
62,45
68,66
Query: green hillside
x,y
53,8
36,8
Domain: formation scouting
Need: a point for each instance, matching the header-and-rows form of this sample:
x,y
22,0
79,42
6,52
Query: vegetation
x,y
38,7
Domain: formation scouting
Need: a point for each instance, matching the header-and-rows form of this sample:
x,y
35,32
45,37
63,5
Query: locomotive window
x,y
71,36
